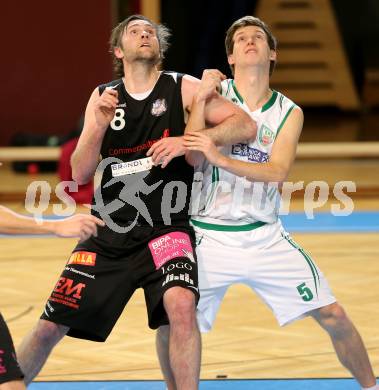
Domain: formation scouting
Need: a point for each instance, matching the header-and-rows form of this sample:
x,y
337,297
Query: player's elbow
x,y
78,174
80,177
77,177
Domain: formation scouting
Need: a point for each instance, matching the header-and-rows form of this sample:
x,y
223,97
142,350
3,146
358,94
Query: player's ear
x,y
272,55
118,52
230,59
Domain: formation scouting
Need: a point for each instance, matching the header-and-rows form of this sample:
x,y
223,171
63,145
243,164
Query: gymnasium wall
x,y
53,55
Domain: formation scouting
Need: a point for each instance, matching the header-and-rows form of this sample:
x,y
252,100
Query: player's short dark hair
x,y
249,21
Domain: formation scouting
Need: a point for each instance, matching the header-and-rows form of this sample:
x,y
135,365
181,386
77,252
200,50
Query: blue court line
x,y
245,384
358,221
323,222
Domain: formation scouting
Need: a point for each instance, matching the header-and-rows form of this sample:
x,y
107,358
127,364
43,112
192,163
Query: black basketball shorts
x,y
103,272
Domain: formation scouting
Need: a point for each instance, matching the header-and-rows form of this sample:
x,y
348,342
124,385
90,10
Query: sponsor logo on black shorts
x,y
83,258
67,293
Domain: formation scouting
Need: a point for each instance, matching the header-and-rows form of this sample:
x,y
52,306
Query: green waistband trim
x,y
228,228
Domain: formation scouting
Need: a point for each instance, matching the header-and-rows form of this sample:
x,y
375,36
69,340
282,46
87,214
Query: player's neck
x,y
254,87
139,78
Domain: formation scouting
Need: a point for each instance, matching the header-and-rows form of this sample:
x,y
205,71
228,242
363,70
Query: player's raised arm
x,y
99,113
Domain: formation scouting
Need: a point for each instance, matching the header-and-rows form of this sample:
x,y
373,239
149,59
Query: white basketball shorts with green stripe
x,y
264,257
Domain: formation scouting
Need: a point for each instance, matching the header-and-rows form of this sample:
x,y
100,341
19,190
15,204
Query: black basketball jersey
x,y
130,188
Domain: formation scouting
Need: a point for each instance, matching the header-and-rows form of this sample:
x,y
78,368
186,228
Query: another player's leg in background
x,y
36,347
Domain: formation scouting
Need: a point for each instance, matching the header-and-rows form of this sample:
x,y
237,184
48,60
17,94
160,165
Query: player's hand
x,y
105,107
200,142
164,150
210,84
79,225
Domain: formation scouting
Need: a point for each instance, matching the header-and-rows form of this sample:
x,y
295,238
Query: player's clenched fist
x,y
210,83
105,107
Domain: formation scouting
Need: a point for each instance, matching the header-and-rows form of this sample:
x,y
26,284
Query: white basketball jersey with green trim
x,y
229,199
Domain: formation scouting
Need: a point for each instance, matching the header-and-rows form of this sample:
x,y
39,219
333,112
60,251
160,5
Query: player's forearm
x,y
195,122
238,127
85,158
13,223
260,172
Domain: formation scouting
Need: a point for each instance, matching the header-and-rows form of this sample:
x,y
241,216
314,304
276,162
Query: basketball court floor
x,y
246,349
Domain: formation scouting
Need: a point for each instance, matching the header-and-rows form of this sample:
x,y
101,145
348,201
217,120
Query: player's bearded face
x,y
140,43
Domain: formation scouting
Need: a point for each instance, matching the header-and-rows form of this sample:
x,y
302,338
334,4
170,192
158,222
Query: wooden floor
x,y
246,341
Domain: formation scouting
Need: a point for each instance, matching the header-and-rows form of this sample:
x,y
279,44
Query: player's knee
x,y
180,307
49,333
333,318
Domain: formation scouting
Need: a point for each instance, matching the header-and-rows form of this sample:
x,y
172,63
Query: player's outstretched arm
x,y
79,225
82,226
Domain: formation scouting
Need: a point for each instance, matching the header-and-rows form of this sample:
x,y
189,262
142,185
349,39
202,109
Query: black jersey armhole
x,y
110,84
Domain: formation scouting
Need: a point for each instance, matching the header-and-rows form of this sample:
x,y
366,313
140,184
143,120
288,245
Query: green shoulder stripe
x,y
284,119
240,98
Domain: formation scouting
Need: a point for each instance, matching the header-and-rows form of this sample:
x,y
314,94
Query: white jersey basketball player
x,y
239,236
234,199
